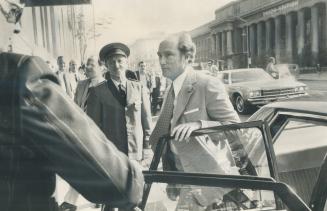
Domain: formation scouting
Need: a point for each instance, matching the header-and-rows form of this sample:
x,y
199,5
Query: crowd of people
x,y
91,125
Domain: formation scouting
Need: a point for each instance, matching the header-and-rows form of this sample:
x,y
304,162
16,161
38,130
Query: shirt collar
x,y
178,82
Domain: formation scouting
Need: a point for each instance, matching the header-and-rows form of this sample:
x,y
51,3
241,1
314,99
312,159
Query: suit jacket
x,y
126,126
201,98
82,92
43,133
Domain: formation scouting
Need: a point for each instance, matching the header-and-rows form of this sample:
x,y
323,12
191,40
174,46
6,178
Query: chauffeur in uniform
x,y
120,106
43,133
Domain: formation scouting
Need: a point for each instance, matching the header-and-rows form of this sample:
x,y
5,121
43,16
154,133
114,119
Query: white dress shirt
x,y
177,86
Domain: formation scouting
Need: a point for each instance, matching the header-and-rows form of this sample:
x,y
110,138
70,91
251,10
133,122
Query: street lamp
x,y
246,34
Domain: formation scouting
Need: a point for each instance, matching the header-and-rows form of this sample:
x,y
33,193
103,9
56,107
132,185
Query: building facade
x,y
145,49
48,32
248,32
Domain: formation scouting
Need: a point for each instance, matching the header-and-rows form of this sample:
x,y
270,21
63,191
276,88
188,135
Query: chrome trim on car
x,y
262,100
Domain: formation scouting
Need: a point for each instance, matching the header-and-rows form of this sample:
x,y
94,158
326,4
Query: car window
x,y
230,152
300,148
167,197
250,75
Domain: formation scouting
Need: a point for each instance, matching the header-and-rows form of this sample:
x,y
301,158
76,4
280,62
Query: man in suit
x,y
119,106
94,77
43,133
192,101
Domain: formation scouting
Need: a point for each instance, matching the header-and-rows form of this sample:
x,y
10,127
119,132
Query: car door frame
x,y
319,193
261,125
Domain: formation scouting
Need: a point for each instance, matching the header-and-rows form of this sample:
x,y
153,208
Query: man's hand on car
x,y
183,131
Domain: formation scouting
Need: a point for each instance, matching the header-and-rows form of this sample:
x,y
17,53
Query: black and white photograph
x,y
163,105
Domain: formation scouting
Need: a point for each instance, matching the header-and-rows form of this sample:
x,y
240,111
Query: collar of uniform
x,y
117,83
178,82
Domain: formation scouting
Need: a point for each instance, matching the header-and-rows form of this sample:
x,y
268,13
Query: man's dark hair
x,y
141,62
60,58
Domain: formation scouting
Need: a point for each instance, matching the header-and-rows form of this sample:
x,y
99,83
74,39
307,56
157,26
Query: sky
x,y
128,20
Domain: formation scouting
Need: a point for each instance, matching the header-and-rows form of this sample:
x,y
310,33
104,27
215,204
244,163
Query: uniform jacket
x,y
43,133
126,126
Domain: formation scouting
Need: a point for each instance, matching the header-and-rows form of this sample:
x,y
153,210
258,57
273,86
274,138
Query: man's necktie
x,y
163,124
122,91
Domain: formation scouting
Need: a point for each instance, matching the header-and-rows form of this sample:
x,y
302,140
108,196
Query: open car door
x,y
229,167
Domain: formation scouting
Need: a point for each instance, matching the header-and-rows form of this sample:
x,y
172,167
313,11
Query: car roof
x,y
308,106
242,70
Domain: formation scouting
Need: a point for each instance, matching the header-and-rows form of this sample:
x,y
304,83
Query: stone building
x,y
247,32
48,32
145,49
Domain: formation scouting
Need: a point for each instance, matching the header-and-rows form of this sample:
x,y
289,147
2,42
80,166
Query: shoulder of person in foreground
x,y
76,148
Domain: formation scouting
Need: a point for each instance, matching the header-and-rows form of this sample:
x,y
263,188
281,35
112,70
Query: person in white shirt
x,y
72,75
63,77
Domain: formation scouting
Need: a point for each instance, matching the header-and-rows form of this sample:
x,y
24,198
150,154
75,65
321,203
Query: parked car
x,y
278,162
255,87
299,135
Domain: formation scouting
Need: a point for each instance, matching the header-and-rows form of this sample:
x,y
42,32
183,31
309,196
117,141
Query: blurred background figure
x,y
156,91
72,75
212,68
144,76
271,69
63,76
94,77
81,73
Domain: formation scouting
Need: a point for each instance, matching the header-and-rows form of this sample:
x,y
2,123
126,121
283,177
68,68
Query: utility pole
x,y
247,40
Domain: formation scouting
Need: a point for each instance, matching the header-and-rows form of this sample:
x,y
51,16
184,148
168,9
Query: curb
x,y
310,79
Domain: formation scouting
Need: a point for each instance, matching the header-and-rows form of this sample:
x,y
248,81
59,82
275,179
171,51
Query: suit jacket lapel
x,y
85,86
184,95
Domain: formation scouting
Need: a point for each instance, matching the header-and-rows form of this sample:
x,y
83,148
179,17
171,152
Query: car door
x,y
300,146
252,158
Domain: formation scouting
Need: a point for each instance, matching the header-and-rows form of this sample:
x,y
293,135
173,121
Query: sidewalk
x,y
312,77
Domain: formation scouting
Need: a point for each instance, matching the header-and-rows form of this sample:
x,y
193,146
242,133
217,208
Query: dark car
x,y
277,161
255,87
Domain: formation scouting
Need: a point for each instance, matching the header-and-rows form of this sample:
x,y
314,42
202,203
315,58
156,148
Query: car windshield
x,y
250,75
